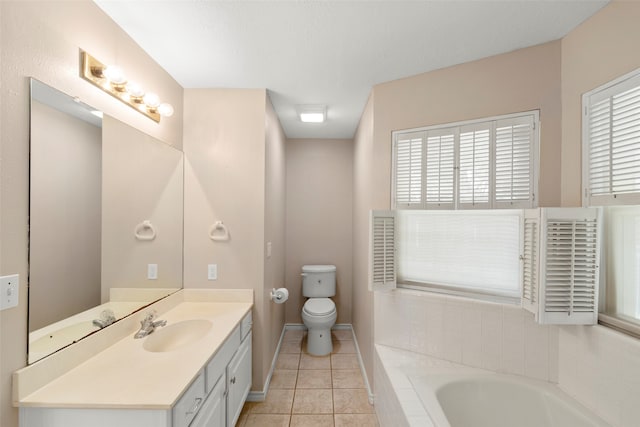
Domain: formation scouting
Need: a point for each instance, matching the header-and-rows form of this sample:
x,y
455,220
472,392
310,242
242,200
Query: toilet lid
x,y
319,306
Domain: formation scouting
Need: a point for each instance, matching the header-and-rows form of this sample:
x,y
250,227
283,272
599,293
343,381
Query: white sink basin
x,y
176,335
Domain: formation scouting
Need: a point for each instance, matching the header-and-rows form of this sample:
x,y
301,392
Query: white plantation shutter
x,y
382,250
482,164
408,169
440,171
514,164
474,166
569,265
531,260
611,143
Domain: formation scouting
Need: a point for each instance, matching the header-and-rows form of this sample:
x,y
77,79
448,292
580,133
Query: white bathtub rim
x,y
399,364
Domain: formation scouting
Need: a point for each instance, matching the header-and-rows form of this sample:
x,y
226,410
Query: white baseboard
x,y
260,396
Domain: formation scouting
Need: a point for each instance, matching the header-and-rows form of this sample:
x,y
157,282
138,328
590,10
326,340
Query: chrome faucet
x,y
107,317
147,326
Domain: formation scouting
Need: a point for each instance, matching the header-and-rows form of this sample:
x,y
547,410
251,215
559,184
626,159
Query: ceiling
x,y
332,52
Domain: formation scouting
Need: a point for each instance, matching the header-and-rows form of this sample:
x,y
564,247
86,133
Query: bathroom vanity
x,y
194,372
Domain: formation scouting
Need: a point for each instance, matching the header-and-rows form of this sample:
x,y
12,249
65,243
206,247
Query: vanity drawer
x,y
220,360
190,402
245,325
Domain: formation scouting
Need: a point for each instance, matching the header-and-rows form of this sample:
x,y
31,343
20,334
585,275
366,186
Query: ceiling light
x,y
312,113
112,80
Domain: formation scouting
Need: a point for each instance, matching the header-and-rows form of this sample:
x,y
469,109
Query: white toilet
x,y
319,313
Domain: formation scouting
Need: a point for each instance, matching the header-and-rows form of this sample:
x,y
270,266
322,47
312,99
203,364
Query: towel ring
x,y
142,227
217,236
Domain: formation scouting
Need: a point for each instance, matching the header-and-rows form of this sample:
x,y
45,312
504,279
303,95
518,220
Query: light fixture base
x,y
91,70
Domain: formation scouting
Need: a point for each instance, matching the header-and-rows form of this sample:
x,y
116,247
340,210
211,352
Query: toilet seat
x,y
319,307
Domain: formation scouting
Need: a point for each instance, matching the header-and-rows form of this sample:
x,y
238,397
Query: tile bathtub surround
x,y
310,391
480,334
601,368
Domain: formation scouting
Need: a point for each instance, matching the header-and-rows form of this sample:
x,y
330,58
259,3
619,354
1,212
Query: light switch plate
x,y
269,249
9,290
152,271
212,272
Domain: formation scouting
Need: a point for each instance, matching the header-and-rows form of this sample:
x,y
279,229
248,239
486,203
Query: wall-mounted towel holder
x,y
219,232
145,231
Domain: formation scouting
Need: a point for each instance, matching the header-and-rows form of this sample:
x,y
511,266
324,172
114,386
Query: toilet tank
x,y
318,281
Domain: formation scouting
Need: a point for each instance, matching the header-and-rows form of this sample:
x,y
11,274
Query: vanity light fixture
x,y
112,79
312,113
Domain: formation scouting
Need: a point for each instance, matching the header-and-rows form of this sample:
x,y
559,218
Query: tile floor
x,y
313,391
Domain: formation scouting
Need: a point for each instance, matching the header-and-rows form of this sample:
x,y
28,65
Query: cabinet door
x,y
238,380
213,413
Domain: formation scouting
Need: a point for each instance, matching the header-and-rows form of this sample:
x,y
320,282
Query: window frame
x,y
619,322
457,128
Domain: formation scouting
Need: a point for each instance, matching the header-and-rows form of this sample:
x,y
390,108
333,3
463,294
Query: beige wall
x,y
274,232
142,179
66,163
319,199
41,39
233,173
601,49
363,188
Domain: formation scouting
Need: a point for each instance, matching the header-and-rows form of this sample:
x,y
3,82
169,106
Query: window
x,y
460,251
611,176
489,163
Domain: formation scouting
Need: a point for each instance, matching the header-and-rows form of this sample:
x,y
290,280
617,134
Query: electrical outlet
x,y
152,271
9,290
212,271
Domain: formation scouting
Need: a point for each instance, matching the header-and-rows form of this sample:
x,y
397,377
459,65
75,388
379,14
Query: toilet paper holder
x,y
279,295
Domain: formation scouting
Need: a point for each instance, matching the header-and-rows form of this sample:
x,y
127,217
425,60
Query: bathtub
x,y
417,390
496,400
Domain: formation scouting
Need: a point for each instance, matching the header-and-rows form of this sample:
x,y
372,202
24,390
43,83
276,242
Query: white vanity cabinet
x,y
238,381
213,399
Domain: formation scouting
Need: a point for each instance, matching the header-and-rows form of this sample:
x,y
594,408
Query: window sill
x,y
443,290
619,324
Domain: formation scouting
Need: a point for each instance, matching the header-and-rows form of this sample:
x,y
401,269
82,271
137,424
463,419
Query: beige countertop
x,y
127,376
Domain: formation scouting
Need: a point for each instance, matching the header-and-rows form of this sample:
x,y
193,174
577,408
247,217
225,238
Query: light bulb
x,y
115,75
165,110
135,91
152,100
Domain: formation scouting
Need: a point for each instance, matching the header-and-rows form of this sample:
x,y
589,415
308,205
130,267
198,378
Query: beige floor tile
x,y
342,335
291,347
351,401
276,402
283,378
325,420
347,378
294,335
288,361
344,361
341,347
316,378
267,420
313,401
308,361
356,420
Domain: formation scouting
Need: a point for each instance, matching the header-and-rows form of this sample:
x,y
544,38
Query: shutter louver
x,y
625,142
570,266
382,250
514,162
530,261
440,170
408,170
474,169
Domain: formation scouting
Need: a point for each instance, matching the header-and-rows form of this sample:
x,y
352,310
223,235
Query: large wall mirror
x,y
105,220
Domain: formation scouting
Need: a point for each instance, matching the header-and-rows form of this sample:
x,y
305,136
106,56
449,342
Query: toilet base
x,y
319,342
